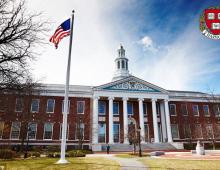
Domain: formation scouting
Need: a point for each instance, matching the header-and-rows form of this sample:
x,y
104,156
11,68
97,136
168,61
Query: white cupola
x,y
121,65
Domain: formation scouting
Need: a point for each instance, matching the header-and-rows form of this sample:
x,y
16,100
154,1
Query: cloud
x,y
148,44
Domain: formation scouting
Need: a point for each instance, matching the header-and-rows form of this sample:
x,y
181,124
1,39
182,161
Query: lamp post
x,y
26,151
139,140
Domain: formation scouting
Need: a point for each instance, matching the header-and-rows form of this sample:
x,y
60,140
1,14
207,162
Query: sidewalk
x,y
125,163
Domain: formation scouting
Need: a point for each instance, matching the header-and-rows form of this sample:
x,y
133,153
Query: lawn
x,y
130,155
171,164
49,164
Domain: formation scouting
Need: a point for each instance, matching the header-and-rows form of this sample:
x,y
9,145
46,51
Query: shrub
x,y
7,154
53,148
56,154
36,154
50,155
76,153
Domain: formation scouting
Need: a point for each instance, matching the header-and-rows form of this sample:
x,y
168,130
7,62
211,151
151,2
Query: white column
x,y
154,111
167,114
141,118
95,120
163,121
110,99
125,118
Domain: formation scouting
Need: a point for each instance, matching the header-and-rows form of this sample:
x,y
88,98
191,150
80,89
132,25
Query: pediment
x,y
131,83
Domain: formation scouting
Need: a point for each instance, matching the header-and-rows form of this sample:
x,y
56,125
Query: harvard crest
x,y
210,22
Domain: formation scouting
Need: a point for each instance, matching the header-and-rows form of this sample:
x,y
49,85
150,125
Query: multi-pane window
x,y
35,105
195,109
1,129
130,108
206,110
68,107
145,108
184,110
80,128
115,108
50,105
146,133
2,105
48,130
186,131
116,132
158,108
175,131
80,107
67,131
197,131
101,132
217,131
172,109
19,105
102,108
32,130
15,130
209,131
216,109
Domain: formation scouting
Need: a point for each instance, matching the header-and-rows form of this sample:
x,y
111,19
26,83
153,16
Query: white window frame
x,y
190,131
174,109
2,129
218,110
177,131
118,109
83,132
53,105
105,131
148,132
19,131
67,135
16,105
68,110
51,134
132,104
145,113
208,115
37,107
102,114
119,139
187,113
36,130
84,104
197,110
200,130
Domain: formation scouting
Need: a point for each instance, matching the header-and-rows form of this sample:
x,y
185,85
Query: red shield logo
x,y
212,20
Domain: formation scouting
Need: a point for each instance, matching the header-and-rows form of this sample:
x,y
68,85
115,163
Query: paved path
x,y
125,163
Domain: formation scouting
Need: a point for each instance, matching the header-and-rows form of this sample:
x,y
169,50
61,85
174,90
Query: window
x,y
216,110
186,131
116,132
145,108
15,130
1,129
211,16
126,65
102,108
48,130
35,105
197,131
217,131
50,105
130,108
172,109
2,105
80,107
184,110
68,106
175,131
206,110
102,132
67,131
123,64
32,130
158,109
115,108
146,133
19,105
118,64
80,128
209,131
195,110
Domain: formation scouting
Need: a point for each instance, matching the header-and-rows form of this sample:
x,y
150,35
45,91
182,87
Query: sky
x,y
161,37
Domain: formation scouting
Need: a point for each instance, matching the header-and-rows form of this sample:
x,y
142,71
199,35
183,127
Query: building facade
x,y
102,114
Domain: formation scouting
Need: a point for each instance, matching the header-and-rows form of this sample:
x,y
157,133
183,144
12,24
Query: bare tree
x,y
20,33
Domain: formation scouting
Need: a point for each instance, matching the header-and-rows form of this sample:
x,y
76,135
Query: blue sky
x,y
162,41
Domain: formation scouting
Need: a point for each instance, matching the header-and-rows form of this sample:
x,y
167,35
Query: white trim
x,y
172,104
197,110
102,101
208,115
16,104
53,105
37,106
132,104
118,123
18,133
105,132
187,113
118,108
148,133
75,136
35,131
83,106
177,131
51,132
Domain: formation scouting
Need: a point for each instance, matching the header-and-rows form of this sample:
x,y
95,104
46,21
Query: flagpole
x,y
66,103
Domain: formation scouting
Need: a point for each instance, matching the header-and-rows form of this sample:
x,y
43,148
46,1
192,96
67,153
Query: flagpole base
x,y
62,161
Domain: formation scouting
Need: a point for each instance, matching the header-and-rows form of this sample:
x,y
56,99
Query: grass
x,y
49,164
131,155
171,164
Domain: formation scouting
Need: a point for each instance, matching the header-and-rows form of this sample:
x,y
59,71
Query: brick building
x,y
99,112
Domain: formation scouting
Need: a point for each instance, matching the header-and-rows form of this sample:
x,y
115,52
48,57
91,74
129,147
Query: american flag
x,y
62,31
